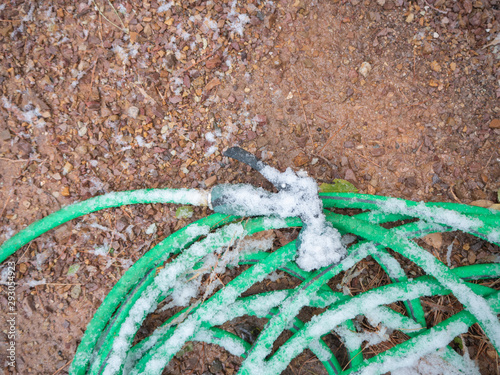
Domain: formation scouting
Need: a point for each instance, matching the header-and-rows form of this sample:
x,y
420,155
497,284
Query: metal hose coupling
x,y
318,243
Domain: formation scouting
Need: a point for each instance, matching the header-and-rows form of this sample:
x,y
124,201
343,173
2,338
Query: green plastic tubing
x,y
249,226
475,304
106,347
177,196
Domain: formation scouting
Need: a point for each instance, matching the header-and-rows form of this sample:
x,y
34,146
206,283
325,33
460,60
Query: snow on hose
x,y
170,275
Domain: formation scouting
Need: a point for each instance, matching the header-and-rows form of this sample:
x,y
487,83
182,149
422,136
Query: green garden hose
x,y
107,345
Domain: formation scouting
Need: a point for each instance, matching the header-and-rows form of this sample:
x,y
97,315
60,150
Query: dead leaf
x,y
434,239
433,83
210,85
371,190
482,203
435,66
148,98
300,160
212,63
175,99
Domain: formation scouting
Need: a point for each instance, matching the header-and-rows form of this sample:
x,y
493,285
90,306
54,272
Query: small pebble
x,y
4,135
495,123
210,181
365,68
133,112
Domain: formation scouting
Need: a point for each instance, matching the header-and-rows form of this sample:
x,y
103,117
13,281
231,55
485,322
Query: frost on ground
x,y
29,114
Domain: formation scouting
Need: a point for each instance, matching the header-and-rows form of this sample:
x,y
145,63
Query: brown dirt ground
x,y
99,101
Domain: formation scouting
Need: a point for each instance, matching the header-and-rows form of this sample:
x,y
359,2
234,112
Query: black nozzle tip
x,y
244,156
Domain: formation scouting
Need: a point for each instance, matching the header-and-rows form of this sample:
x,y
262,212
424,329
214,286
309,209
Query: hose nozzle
x,y
318,243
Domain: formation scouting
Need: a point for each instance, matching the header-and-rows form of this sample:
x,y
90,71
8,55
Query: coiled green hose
x,y
107,347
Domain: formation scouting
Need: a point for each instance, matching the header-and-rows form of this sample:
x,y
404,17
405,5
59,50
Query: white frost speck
x,y
30,113
121,9
238,21
211,150
142,143
210,137
238,25
102,250
164,6
151,229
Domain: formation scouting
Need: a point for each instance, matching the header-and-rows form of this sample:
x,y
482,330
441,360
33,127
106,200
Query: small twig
x,y
368,160
348,363
494,42
19,160
106,18
481,348
332,166
291,369
39,297
321,117
419,147
331,138
493,284
488,162
309,360
116,12
303,109
199,61
498,367
414,62
161,96
62,368
436,9
21,257
218,278
186,138
438,307
6,203
402,93
101,28
92,79
149,98
453,194
10,20
204,360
